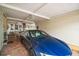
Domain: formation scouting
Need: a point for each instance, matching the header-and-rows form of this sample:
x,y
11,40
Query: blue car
x,y
39,43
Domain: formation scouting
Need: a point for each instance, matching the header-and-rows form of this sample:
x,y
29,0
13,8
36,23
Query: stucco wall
x,y
64,27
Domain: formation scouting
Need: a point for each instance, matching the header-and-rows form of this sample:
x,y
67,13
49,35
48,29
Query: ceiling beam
x,y
22,10
16,19
37,9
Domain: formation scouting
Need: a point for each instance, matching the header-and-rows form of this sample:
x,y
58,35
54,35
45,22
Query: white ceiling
x,y
38,10
27,6
54,9
14,13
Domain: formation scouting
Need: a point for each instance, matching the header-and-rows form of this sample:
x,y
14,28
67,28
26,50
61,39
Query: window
x,y
37,33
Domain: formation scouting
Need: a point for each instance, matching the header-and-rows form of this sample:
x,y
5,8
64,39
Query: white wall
x,y
1,30
65,27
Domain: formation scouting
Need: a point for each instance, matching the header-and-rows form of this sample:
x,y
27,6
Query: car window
x,y
37,33
32,34
44,33
25,33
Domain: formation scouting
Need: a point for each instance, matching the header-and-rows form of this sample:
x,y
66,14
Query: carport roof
x,y
37,11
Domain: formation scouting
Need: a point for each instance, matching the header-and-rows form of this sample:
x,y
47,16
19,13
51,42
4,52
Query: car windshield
x,y
37,33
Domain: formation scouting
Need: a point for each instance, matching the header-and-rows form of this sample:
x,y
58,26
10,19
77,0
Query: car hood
x,y
52,46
